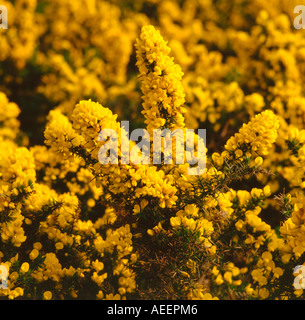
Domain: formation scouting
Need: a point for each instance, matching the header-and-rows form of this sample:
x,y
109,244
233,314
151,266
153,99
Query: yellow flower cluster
x,y
18,42
202,227
9,112
90,58
162,89
258,136
73,227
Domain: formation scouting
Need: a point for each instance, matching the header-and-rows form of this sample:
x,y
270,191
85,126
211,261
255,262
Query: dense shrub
x,y
72,227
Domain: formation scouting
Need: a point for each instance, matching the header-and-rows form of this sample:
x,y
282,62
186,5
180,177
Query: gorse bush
x,y
72,227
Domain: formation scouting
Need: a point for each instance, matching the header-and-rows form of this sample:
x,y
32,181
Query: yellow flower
x,y
239,225
237,282
161,82
47,295
258,135
91,203
217,158
249,289
254,103
286,258
98,265
175,222
100,295
24,267
136,209
267,256
34,254
267,191
263,293
219,280
258,161
228,276
111,296
277,272
215,271
150,232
